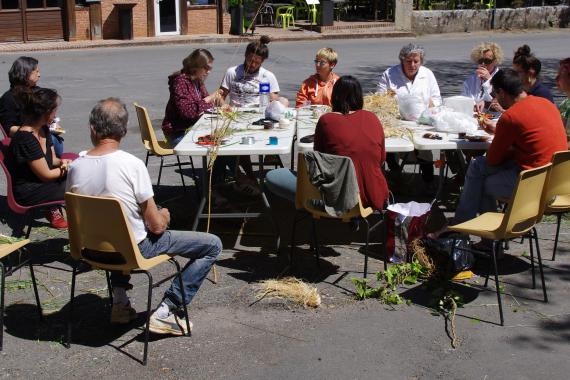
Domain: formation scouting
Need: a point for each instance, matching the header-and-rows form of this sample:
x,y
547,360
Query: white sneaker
x,y
172,325
122,314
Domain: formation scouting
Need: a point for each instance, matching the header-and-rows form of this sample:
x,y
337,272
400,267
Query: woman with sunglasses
x,y
317,89
188,95
477,86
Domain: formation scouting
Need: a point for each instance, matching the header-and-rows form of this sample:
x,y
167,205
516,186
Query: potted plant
x,y
236,12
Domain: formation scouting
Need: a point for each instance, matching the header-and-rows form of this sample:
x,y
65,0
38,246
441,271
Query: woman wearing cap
x,y
317,89
477,86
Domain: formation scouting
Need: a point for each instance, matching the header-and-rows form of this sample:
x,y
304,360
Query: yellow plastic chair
x,y
306,193
523,212
557,190
301,8
312,13
284,16
101,236
5,251
159,148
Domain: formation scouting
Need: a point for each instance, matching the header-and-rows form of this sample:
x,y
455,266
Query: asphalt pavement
x,y
237,336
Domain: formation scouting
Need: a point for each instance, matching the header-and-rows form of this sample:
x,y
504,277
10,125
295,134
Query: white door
x,y
166,17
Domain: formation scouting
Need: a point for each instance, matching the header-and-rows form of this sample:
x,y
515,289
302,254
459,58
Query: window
x,y
191,3
9,4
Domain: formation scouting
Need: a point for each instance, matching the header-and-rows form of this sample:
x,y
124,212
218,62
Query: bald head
x,y
109,118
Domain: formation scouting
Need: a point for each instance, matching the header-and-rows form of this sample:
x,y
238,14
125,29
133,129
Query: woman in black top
x,y
528,66
38,175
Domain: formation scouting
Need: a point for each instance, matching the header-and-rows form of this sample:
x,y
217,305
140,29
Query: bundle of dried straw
x,y
292,289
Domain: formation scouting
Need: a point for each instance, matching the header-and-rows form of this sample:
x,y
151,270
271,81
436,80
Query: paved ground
x,y
237,337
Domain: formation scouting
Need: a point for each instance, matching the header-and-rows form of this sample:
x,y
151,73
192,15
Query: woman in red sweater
x,y
346,131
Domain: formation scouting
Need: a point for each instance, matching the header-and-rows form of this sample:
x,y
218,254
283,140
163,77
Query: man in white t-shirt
x,y
241,82
105,170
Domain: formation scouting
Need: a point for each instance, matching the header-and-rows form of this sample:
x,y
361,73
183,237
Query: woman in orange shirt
x,y
317,89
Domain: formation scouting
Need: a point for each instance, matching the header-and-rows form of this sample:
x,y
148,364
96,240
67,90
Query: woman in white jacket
x,y
477,86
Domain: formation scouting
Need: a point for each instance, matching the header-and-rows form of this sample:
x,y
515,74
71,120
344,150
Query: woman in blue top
x,y
528,66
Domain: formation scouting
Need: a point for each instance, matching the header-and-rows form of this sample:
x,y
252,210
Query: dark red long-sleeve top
x,y
186,103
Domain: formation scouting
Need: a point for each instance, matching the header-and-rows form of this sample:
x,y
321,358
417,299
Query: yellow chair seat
x,y
6,249
561,204
485,225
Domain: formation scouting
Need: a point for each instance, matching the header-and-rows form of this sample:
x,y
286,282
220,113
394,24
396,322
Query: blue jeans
x,y
282,182
57,142
201,248
483,185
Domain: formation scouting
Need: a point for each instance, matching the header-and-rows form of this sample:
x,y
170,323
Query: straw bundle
x,y
292,289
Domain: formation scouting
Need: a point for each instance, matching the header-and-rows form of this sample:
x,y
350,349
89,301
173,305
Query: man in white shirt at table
x,y
105,170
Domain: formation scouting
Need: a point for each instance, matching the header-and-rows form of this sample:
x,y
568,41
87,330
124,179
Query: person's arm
x,y
383,83
41,170
434,93
156,220
302,95
187,100
500,148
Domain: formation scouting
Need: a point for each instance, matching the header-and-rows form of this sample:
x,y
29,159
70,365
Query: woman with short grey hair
x,y
410,77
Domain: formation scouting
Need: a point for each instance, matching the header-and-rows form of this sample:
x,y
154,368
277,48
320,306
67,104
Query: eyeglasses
x,y
320,62
485,61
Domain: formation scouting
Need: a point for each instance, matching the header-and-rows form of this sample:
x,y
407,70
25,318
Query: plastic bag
x,y
450,121
463,104
405,223
461,260
275,110
411,107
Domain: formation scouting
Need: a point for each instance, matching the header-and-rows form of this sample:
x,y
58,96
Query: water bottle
x,y
264,89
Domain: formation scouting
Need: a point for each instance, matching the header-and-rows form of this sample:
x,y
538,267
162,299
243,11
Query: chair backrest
x,y
306,192
525,208
559,179
147,132
100,233
12,203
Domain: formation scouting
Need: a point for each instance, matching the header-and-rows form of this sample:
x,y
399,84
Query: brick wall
x,y
202,20
82,23
110,16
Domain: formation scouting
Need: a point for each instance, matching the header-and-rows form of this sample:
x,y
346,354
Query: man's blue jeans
x,y
483,185
200,248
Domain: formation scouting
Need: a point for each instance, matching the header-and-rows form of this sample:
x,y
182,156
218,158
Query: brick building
x,y
71,20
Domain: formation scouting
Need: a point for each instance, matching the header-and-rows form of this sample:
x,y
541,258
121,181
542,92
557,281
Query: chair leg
x,y
540,268
531,248
147,326
497,245
29,219
70,315
366,247
2,285
160,170
36,294
292,242
146,159
315,240
181,174
109,288
558,220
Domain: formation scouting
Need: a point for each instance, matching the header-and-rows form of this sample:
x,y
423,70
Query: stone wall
x,y
447,21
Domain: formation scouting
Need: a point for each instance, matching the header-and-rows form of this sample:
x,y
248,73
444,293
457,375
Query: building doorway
x,y
31,20
167,17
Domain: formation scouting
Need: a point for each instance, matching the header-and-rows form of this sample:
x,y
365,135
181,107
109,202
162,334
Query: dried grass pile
x,y
385,106
292,289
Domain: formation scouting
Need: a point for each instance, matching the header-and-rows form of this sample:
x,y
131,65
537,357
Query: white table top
x,y
242,128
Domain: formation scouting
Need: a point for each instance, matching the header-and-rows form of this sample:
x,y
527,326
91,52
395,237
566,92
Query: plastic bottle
x,y
264,89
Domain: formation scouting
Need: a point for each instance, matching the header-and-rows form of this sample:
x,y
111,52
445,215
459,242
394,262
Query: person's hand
x,y
495,106
479,106
166,215
489,126
483,73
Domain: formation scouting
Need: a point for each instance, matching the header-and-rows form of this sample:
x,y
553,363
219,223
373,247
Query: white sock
x,y
120,296
163,311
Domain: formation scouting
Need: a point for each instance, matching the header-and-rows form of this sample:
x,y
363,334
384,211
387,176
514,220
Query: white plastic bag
x,y
447,120
463,104
411,106
275,110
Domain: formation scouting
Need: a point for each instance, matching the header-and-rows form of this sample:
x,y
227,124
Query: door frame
x,y
177,11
